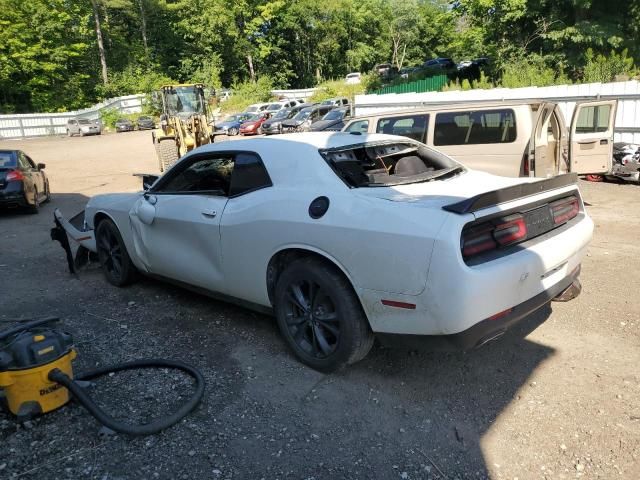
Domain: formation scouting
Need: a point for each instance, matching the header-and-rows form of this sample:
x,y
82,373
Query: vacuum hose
x,y
156,426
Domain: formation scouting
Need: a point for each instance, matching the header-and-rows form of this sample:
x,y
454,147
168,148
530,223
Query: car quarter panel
x,y
380,245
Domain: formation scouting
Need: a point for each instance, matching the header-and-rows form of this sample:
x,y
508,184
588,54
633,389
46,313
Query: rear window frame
x,y
454,166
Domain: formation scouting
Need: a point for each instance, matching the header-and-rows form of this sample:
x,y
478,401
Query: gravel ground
x,y
556,398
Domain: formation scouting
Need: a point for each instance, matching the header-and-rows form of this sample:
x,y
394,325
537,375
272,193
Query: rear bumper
x,y
490,328
12,195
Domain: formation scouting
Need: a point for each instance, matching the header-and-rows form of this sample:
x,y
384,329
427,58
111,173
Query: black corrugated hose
x,y
156,426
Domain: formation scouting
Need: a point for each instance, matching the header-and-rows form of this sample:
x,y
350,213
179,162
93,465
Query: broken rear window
x,y
384,164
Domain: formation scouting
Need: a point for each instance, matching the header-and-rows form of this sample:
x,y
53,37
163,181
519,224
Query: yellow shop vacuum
x,y
36,377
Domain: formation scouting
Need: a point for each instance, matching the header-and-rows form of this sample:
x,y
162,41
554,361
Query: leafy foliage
x,y
50,59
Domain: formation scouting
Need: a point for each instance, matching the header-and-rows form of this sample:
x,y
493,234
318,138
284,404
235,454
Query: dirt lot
x,y
559,399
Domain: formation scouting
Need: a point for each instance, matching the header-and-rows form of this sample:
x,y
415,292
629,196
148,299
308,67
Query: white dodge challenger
x,y
346,237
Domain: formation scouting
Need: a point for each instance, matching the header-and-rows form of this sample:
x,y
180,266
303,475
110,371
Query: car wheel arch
x,y
282,258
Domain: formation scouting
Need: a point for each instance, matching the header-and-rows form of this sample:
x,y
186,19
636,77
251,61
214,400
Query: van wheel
x,y
320,316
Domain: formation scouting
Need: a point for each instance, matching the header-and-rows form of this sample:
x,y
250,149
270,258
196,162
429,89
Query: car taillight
x,y
564,210
14,175
491,235
477,240
512,229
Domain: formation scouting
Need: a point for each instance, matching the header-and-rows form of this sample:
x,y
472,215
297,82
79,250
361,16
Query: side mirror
x,y
41,166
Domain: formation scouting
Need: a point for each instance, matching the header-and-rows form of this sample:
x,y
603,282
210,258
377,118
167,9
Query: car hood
x,y
249,124
438,193
273,121
320,124
292,123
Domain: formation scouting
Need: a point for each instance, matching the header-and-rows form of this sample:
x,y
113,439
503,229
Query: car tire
x,y
35,206
168,154
320,316
112,255
47,193
232,132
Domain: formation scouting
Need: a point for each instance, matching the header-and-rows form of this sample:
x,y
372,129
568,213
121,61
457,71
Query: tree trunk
x,y
143,27
252,73
103,59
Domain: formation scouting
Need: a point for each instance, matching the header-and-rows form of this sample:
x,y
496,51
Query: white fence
x,y
302,93
40,124
627,125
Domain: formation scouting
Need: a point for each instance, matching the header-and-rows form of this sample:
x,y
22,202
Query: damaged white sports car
x,y
346,237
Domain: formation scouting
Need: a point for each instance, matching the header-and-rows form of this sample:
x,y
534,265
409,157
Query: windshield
x,y
385,164
184,100
253,118
303,114
274,106
7,160
282,114
84,121
334,115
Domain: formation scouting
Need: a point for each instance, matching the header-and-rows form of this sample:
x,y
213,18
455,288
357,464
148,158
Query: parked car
x,y
257,107
231,124
286,104
274,124
336,101
145,123
253,124
302,226
517,138
83,126
23,183
224,94
124,125
332,121
353,78
305,118
441,63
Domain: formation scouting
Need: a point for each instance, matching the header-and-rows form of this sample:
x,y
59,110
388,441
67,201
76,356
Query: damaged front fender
x,y
76,229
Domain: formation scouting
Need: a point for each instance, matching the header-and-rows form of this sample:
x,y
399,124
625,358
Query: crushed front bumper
x,y
76,229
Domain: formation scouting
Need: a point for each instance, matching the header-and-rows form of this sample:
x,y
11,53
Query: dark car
x,y
274,124
145,123
441,63
333,121
305,118
231,124
22,182
124,125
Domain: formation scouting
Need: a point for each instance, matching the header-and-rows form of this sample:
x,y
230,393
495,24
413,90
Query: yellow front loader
x,y
184,123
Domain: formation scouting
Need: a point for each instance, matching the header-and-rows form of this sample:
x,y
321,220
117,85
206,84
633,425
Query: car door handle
x,y
209,213
586,142
604,141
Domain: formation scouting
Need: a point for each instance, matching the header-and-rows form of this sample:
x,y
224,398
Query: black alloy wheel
x,y
312,319
320,316
112,254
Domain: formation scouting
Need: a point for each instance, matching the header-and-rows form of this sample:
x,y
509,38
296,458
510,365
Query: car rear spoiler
x,y
495,197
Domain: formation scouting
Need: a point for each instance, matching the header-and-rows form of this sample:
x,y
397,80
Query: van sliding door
x,y
591,137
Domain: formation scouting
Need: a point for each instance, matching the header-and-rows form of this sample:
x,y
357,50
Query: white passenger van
x,y
519,138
